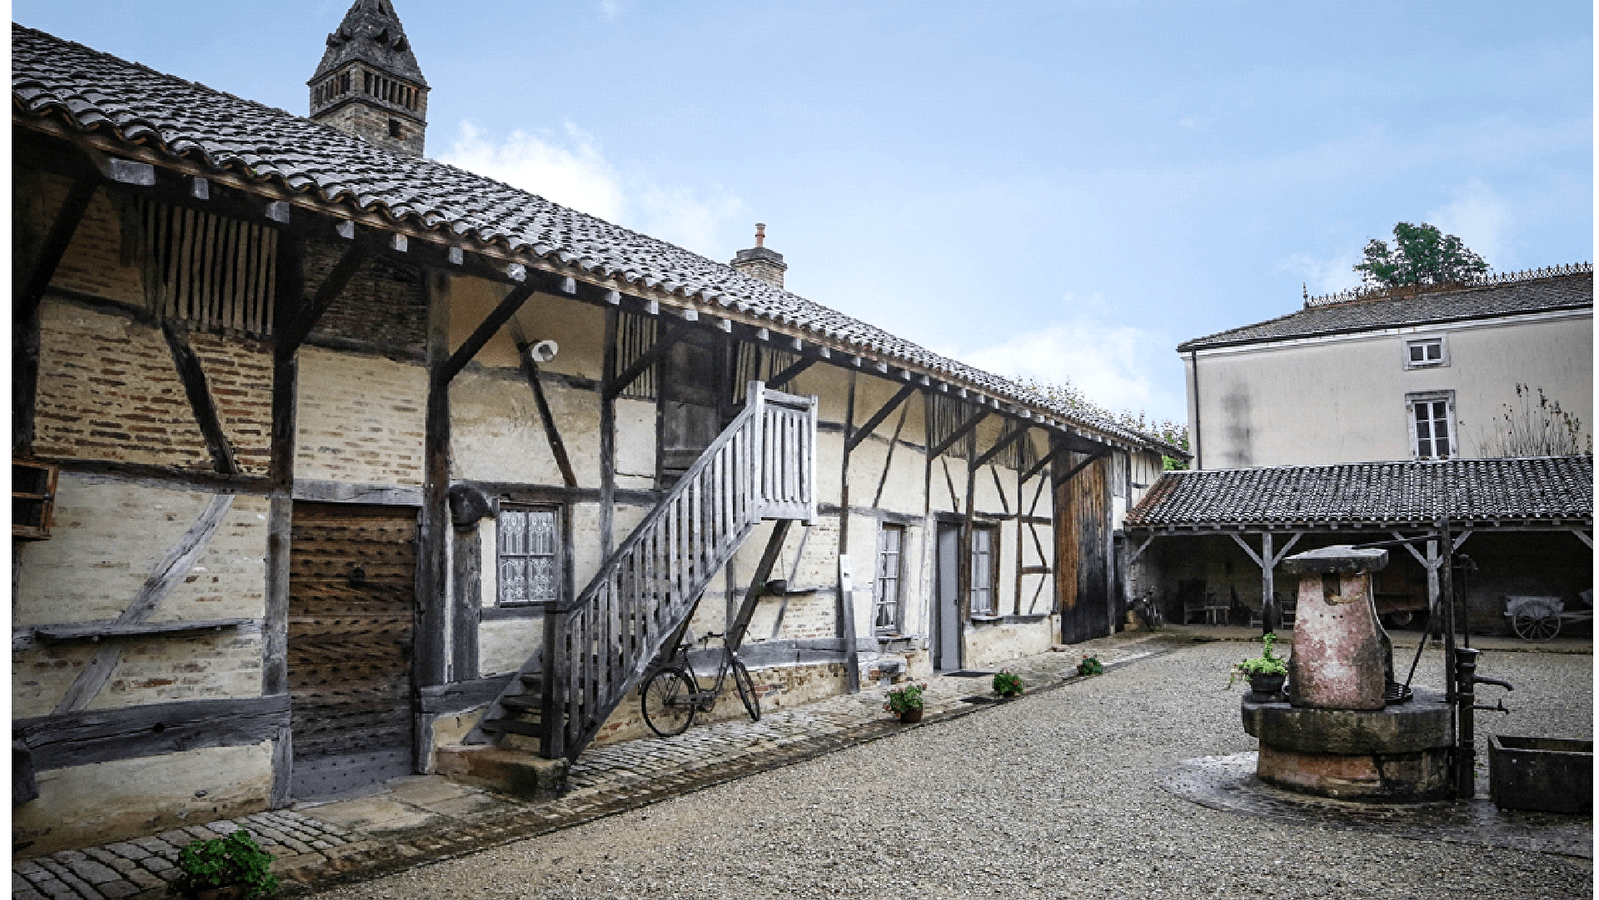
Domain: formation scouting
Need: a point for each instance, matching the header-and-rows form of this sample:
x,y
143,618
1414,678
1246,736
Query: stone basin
x,y
1541,774
1396,754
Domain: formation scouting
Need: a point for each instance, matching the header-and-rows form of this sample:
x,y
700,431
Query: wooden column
x,y
846,603
608,437
429,663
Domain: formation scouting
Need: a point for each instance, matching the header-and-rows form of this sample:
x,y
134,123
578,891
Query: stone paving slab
x,y
424,818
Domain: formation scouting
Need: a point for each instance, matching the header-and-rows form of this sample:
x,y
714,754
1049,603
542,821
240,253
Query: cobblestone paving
x,y
312,845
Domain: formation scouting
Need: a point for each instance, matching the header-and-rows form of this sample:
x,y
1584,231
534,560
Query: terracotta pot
x,y
911,716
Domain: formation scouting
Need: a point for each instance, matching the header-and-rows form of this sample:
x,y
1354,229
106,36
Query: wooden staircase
x,y
599,647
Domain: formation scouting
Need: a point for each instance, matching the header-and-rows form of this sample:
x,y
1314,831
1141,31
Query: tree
x,y
1421,255
1174,433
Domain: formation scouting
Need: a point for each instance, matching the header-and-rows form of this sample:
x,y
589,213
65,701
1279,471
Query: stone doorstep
x,y
517,774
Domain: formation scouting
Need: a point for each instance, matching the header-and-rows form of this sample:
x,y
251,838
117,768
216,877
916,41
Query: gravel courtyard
x,y
1055,795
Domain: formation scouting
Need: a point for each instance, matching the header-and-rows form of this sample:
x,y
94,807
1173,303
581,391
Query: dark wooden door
x,y
352,589
1082,547
693,399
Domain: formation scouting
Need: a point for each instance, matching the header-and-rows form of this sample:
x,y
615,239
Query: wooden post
x,y
846,602
608,437
429,663
1270,615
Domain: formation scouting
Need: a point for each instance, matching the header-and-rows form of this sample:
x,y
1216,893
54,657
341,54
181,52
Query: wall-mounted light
x,y
542,351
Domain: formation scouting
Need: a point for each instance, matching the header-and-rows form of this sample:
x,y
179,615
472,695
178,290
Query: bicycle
x,y
671,696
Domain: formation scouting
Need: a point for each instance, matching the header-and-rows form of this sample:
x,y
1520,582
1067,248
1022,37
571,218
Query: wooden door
x,y
352,593
693,396
1082,548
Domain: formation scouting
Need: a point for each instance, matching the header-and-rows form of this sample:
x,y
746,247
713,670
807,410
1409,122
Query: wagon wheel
x,y
1536,624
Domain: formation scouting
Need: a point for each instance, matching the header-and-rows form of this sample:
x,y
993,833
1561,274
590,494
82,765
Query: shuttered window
x,y
985,576
529,555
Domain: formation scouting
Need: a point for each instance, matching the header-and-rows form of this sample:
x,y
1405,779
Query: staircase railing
x,y
600,646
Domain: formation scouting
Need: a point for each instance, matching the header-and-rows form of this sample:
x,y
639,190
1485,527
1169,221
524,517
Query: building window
x,y
890,560
985,576
529,555
1426,353
1431,433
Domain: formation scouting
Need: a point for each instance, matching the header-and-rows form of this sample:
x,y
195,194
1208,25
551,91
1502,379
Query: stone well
x,y
1337,734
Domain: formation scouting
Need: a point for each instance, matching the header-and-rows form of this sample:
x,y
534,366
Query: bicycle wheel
x,y
667,702
1536,624
746,690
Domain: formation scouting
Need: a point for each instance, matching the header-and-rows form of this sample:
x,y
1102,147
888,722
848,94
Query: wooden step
x,y
523,703
514,726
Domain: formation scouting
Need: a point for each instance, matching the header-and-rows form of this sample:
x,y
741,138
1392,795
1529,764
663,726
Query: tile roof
x,y
131,103
1536,490
1572,288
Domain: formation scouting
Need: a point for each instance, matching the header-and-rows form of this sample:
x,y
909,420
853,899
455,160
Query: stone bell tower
x,y
369,83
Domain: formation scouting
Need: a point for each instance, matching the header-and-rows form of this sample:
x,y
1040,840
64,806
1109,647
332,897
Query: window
x,y
890,555
529,555
1430,431
1426,353
985,540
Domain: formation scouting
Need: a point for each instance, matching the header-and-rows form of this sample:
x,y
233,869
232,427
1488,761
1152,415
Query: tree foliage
x,y
1534,428
1421,255
1174,433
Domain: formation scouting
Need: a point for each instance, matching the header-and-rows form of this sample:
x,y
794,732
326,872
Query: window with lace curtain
x,y
529,556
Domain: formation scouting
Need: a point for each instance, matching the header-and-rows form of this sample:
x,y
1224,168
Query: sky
x,y
1059,190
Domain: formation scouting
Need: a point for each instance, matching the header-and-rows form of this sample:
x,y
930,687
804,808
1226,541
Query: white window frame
x,y
1431,400
516,551
888,606
1423,344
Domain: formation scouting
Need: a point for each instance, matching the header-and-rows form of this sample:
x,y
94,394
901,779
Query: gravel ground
x,y
1055,795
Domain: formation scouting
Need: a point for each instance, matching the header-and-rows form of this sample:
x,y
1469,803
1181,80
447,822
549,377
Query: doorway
x,y
946,603
352,591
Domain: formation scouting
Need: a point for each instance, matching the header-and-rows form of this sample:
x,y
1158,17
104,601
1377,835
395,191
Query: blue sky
x,y
1044,189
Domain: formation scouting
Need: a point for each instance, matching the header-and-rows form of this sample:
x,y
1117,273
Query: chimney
x,y
759,262
369,83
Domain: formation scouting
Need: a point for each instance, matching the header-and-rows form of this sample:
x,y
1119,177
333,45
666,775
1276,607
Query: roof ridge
x,y
1488,279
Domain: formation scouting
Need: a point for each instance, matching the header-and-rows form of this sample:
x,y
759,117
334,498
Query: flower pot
x,y
1266,683
910,716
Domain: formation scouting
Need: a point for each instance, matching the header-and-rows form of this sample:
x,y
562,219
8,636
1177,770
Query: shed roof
x,y
131,104
1519,293
1528,491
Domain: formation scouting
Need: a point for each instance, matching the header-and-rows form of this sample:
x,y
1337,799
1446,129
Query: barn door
x,y
351,604
693,400
1082,547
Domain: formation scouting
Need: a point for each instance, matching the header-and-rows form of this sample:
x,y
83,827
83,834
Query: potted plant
x,y
906,702
224,868
1266,673
1007,684
1090,666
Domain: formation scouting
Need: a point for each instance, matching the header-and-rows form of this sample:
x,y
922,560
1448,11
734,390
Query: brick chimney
x,y
369,83
759,262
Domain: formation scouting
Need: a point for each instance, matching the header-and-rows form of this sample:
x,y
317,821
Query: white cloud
x,y
1324,274
570,168
611,9
1117,366
1482,220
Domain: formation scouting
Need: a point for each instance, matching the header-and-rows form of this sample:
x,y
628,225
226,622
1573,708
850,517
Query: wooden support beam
x,y
877,418
1050,457
961,431
551,432
486,330
781,379
752,595
192,373
646,359
888,462
1072,473
999,446
846,600
290,339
